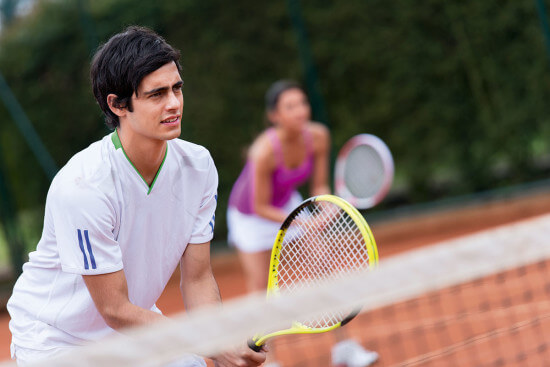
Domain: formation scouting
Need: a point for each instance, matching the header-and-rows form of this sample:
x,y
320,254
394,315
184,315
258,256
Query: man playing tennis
x,y
122,214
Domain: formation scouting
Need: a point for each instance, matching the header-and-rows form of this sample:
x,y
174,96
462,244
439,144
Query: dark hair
x,y
276,89
120,65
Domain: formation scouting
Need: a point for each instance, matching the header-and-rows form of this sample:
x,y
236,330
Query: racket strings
x,y
323,244
360,181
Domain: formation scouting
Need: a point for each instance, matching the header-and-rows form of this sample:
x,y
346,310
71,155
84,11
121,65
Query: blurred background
x,y
459,91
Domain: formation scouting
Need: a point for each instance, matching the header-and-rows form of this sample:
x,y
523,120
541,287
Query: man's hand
x,y
241,357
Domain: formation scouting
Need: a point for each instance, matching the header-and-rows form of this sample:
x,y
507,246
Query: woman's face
x,y
292,111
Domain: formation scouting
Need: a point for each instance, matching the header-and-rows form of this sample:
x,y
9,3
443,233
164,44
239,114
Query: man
x,y
122,214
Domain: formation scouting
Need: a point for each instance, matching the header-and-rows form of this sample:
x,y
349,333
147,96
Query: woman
x,y
292,151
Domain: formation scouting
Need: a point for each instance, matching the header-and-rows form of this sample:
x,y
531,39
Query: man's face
x,y
157,107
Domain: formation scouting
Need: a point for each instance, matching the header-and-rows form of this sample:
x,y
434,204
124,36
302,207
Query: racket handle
x,y
252,345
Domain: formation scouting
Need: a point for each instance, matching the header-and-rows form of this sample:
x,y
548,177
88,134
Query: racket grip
x,y
252,345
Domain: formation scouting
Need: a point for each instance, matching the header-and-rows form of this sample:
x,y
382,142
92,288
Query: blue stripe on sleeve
x,y
86,266
212,222
92,258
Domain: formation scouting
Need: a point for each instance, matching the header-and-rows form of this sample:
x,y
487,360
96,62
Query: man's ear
x,y
115,106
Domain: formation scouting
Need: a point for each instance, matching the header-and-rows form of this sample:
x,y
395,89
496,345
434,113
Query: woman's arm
x,y
263,164
321,150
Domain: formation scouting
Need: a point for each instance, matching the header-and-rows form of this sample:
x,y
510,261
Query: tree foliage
x,y
457,90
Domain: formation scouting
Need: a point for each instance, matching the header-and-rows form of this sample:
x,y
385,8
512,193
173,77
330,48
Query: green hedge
x,y
457,90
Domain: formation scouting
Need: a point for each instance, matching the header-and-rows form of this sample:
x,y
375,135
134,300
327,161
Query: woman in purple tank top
x,y
293,151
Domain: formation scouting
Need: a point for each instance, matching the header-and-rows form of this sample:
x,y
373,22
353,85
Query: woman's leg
x,y
255,266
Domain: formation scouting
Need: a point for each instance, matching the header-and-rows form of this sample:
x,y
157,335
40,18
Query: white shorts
x,y
25,356
252,233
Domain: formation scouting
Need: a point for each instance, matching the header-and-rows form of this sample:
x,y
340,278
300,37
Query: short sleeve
x,y
203,227
83,221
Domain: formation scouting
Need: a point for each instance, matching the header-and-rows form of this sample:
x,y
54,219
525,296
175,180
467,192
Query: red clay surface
x,y
392,237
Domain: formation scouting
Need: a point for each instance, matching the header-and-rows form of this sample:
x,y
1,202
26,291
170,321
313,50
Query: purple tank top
x,y
284,180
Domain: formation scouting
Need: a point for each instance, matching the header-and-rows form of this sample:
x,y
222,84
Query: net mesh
x,y
364,172
322,244
478,300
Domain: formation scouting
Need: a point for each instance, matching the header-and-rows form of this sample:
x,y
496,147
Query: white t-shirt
x,y
101,217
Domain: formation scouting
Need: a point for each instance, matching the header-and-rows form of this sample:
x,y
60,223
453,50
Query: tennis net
x,y
477,300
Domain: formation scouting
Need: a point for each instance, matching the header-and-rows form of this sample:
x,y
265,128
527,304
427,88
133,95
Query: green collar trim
x,y
118,145
116,140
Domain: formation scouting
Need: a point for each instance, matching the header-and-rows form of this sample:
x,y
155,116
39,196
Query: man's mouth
x,y
170,120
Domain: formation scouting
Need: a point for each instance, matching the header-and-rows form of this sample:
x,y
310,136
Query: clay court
x,y
393,236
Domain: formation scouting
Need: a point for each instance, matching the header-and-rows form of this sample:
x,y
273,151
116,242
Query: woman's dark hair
x,y
276,89
120,65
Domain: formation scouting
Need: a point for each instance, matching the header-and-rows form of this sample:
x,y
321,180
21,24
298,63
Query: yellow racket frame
x,y
272,286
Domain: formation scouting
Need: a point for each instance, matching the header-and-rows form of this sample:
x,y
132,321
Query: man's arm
x,y
198,287
110,295
197,284
110,291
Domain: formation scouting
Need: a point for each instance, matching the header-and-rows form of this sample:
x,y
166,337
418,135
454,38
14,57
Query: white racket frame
x,y
382,149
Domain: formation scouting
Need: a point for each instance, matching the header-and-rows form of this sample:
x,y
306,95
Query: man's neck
x,y
145,154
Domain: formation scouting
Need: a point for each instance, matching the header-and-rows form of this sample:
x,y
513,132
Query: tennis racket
x,y
324,239
363,171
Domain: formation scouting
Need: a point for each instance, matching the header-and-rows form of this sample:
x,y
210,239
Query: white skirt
x,y
252,233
